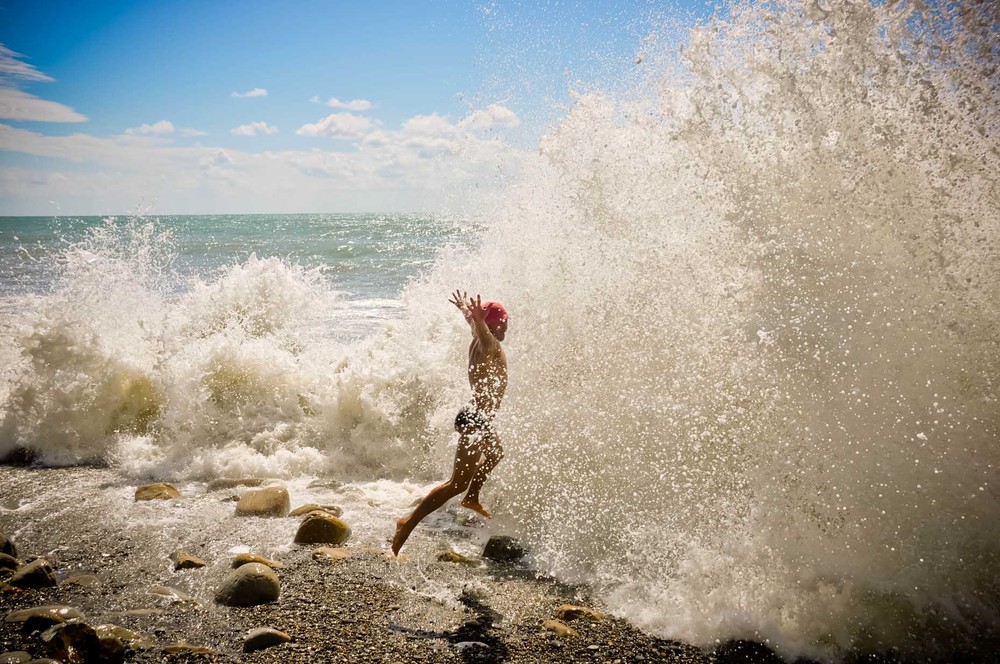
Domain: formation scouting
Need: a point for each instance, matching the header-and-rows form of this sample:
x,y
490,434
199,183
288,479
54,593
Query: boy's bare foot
x,y
402,533
474,505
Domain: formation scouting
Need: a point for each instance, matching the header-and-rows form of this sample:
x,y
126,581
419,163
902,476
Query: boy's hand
x,y
459,300
475,308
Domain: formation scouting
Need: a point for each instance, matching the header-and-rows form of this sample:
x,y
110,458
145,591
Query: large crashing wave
x,y
240,372
755,357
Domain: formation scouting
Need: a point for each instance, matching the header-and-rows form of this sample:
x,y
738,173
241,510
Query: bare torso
x,y
487,377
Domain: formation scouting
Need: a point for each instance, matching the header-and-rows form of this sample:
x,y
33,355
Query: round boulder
x,y
503,549
264,637
158,491
8,562
36,574
270,501
249,585
322,528
7,545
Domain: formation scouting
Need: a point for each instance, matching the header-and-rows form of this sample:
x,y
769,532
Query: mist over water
x,y
753,348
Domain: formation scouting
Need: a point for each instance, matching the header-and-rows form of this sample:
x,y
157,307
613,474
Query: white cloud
x,y
428,125
352,105
494,115
13,67
161,128
426,163
338,125
18,105
256,92
253,129
191,132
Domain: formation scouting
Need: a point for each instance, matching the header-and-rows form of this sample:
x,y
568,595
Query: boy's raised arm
x,y
458,299
477,318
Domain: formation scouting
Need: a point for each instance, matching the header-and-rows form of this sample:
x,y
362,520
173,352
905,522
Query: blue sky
x,y
211,106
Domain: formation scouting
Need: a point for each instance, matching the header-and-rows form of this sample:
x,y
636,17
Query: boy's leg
x,y
461,475
492,454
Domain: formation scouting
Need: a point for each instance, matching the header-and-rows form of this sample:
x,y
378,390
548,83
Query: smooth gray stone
x,y
272,501
264,637
36,574
60,611
249,585
322,528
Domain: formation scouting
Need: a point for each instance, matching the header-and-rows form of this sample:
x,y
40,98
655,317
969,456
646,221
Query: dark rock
x,y
233,482
249,585
36,574
322,528
7,545
158,491
8,562
14,657
313,507
79,642
503,549
272,501
20,456
264,637
245,558
184,560
573,612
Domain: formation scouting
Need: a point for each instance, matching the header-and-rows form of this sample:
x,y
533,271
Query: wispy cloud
x,y
338,125
352,105
191,132
256,92
16,104
161,128
12,66
254,129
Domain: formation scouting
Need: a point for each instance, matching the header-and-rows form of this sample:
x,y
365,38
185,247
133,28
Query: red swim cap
x,y
495,314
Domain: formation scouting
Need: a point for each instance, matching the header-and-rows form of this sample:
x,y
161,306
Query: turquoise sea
x,y
367,258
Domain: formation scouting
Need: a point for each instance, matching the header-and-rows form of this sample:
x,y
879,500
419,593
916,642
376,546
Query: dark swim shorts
x,y
470,421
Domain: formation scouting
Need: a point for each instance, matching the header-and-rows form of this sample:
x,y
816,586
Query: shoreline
x,y
112,563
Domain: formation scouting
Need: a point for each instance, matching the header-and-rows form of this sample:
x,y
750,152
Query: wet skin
x,y
479,449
